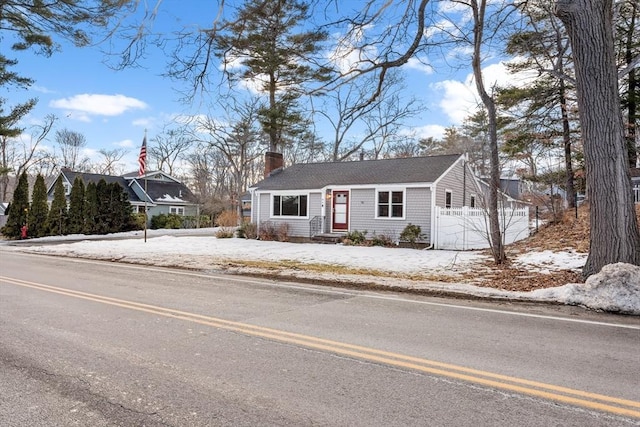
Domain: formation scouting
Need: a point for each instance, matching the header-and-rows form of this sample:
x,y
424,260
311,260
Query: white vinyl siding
x,y
455,181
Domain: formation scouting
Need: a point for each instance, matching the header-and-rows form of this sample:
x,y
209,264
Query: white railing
x,y
636,193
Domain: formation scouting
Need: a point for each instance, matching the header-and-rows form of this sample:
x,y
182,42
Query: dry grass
x,y
571,233
332,269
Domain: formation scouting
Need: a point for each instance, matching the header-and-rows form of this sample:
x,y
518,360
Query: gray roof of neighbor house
x,y
160,191
95,178
306,176
168,191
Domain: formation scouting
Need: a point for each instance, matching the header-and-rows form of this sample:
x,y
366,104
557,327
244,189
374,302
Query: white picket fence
x,y
468,228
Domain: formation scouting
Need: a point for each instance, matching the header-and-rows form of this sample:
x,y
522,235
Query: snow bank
x,y
615,289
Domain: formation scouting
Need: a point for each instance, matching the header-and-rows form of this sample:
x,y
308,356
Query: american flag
x,y
142,158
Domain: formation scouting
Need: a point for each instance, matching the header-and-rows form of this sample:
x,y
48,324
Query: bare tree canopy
x,y
71,145
169,148
109,165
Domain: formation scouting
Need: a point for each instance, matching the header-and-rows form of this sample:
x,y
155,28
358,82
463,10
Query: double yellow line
x,y
613,405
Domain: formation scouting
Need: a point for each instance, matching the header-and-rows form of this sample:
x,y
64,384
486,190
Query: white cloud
x,y
426,131
125,143
90,152
144,122
81,107
415,64
460,98
41,89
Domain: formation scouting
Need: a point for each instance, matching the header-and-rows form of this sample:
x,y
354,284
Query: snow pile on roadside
x,y
615,289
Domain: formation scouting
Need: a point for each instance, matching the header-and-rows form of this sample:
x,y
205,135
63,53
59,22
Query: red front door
x,y
340,211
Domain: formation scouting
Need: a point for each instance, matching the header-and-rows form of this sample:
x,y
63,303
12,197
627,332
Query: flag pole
x,y
146,216
142,162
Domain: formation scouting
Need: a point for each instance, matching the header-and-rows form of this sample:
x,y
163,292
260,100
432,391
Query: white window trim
x,y
289,193
178,209
445,198
404,204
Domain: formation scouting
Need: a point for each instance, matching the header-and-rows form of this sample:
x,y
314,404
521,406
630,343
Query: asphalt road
x,y
93,343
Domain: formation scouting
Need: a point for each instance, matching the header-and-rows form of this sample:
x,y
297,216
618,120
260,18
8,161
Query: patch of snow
x,y
168,198
616,288
547,261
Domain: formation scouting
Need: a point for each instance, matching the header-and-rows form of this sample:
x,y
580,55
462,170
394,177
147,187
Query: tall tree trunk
x,y
632,98
566,137
273,119
495,234
614,229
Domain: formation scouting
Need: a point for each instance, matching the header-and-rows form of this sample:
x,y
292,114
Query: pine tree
x,y
19,209
39,209
90,210
111,208
265,40
57,221
76,207
124,211
102,225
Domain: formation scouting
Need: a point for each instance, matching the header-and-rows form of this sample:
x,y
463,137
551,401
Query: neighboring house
x,y
155,192
635,183
3,213
512,187
379,196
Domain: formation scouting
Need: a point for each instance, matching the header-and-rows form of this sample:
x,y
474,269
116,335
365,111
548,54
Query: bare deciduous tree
x,y
109,164
356,126
22,153
237,138
169,148
71,144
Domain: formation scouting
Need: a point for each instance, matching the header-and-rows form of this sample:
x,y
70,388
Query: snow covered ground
x,y
615,289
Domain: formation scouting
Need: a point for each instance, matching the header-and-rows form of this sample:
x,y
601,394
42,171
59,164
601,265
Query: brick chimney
x,y
272,162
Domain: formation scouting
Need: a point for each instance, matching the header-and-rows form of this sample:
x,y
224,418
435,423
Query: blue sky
x,y
112,108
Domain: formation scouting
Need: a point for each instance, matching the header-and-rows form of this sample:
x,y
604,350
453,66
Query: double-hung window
x,y
390,204
177,210
293,205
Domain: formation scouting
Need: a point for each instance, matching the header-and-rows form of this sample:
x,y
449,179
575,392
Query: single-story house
x,y
379,196
155,192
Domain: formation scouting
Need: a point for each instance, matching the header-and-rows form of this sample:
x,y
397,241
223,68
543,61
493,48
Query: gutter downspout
x,y
433,218
255,195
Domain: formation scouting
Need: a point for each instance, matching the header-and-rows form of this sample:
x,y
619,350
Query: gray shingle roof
x,y
95,178
159,191
310,176
168,191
